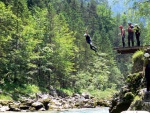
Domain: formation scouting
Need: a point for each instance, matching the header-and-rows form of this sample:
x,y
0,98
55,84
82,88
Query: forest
x,y
42,44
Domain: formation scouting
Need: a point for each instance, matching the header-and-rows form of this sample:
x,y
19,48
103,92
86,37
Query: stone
x,y
37,105
24,106
4,108
14,106
5,102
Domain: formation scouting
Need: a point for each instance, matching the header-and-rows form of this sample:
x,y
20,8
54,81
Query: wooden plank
x,y
128,50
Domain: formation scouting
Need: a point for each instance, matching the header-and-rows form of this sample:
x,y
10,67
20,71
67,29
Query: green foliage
x,y
5,97
42,44
106,94
29,89
137,56
67,91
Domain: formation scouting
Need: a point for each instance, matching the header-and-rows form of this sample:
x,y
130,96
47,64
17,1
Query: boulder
x,y
5,102
37,105
14,106
85,95
24,106
4,108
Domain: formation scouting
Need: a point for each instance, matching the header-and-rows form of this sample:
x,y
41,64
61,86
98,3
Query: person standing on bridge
x,y
122,35
130,34
137,33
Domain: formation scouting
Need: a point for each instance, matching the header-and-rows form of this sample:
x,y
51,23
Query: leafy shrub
x,y
5,97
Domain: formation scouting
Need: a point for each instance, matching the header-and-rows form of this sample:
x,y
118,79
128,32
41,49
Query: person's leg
x,y
128,40
93,47
132,40
147,83
123,42
137,38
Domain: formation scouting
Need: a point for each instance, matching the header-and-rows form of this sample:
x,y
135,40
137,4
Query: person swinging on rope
x,y
89,41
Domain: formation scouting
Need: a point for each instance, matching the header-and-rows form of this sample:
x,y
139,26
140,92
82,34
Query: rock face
x,y
143,104
131,97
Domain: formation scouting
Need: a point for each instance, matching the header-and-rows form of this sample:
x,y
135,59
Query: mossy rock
x,y
122,106
137,60
134,82
128,97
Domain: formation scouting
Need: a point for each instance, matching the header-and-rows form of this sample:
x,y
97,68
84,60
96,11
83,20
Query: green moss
x,y
137,61
137,56
129,96
136,98
136,104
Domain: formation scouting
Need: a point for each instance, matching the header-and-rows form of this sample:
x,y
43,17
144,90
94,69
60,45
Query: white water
x,y
83,110
87,110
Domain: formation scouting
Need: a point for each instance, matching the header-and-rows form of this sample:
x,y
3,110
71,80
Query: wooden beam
x,y
128,50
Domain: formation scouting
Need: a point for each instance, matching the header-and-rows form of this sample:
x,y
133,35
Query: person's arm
x,y
131,29
86,31
123,32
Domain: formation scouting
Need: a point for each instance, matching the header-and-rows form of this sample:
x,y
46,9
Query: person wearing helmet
x,y
130,34
89,41
122,35
146,70
137,33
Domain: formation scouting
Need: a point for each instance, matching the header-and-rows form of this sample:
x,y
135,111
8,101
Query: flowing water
x,y
84,110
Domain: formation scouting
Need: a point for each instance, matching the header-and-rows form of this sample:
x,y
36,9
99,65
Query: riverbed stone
x,y
5,102
4,108
14,106
37,105
52,107
24,106
32,108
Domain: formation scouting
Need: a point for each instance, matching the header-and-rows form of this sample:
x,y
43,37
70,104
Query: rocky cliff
x,y
133,95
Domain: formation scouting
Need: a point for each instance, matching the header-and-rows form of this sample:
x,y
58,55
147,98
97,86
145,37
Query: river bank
x,y
44,102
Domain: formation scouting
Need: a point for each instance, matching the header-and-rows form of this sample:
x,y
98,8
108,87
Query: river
x,y
86,110
83,110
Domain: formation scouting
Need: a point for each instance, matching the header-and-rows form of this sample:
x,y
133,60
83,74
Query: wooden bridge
x,y
128,50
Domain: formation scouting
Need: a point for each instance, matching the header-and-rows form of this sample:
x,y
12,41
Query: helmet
x,y
129,23
85,34
147,55
120,26
136,25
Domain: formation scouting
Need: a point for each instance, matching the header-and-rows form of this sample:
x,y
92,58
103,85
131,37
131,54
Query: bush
x,y
5,97
106,94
